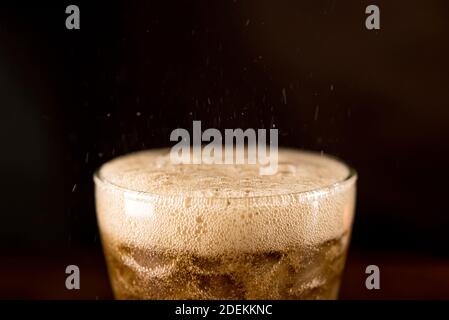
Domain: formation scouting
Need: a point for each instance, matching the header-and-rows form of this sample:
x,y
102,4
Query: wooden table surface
x,y
402,276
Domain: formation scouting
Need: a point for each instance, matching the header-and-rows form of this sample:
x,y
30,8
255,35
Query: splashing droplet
x,y
284,96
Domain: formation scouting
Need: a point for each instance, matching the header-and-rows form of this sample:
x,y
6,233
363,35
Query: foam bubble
x,y
144,200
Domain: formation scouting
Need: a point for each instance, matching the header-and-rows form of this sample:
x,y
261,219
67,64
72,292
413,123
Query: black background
x,y
72,99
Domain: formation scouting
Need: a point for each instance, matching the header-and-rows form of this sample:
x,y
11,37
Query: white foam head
x,y
145,200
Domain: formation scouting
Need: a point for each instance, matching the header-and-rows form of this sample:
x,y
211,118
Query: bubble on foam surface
x,y
209,209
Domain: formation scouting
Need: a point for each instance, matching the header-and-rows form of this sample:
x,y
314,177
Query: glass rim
x,y
351,177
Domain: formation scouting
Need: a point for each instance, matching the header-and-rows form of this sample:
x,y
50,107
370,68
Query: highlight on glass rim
x,y
215,158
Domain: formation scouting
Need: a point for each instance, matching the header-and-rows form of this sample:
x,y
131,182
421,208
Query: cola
x,y
197,231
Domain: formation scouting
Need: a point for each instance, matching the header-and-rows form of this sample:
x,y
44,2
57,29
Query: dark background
x,y
73,99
